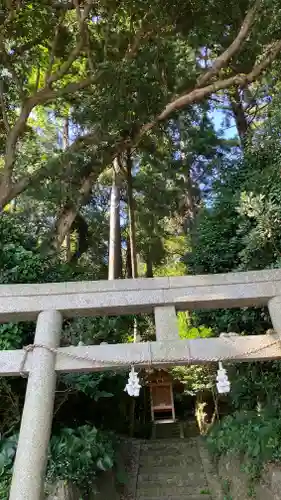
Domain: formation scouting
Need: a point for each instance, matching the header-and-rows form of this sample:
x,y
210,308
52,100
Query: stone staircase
x,y
171,469
175,430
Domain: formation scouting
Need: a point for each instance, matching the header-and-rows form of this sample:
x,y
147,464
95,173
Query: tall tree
x,y
209,81
98,54
115,254
131,215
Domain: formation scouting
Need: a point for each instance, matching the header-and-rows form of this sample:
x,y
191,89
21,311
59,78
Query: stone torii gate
x,y
50,303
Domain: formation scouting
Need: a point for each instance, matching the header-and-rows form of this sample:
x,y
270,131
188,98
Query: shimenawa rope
x,y
191,360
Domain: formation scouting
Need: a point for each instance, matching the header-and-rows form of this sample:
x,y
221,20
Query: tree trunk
x,y
131,217
5,195
68,246
190,202
63,224
149,266
65,141
115,256
239,115
188,205
132,231
68,213
129,272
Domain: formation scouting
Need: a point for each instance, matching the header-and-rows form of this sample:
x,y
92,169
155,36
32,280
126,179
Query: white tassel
x,y
133,386
223,384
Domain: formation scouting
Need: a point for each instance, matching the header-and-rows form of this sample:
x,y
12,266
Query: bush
x,y
78,455
7,453
75,455
253,436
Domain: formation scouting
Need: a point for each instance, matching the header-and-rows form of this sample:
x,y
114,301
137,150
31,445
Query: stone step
x,y
186,478
162,470
162,454
176,497
172,443
170,490
171,470
171,451
167,431
185,484
168,460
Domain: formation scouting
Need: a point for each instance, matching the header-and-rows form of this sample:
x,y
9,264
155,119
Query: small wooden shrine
x,y
161,396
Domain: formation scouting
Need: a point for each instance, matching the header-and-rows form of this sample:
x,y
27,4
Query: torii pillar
x,y
274,307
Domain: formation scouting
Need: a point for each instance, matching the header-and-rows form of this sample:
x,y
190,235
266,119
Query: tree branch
x,y
235,46
191,97
84,32
41,97
3,106
68,214
200,93
19,51
77,49
11,142
11,69
53,49
140,35
194,96
9,19
48,94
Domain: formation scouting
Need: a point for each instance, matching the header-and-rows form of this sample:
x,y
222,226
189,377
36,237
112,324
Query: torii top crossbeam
x,y
92,298
50,303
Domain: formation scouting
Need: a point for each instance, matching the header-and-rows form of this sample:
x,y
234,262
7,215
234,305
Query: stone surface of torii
x,y
133,296
50,303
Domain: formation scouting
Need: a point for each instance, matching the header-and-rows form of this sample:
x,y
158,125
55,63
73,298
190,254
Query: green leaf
x,y
105,463
103,394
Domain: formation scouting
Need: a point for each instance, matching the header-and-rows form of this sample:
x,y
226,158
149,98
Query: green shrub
x,y
75,455
253,436
7,453
78,455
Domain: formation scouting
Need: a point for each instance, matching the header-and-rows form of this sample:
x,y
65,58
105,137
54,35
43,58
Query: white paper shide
x,y
133,386
223,384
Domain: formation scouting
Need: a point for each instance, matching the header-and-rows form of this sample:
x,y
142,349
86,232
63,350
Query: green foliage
x,y
255,384
78,455
98,329
186,331
22,262
11,335
74,455
8,448
254,436
240,230
20,258
88,384
195,378
11,394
